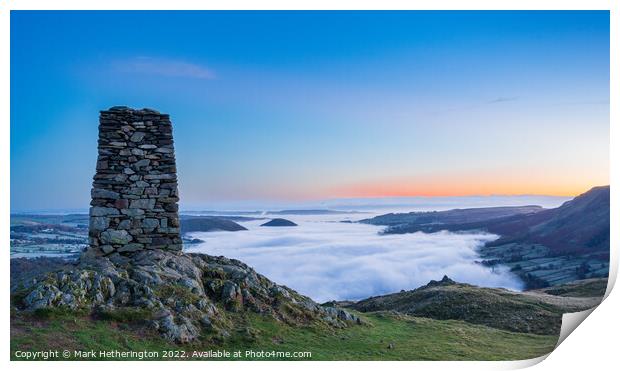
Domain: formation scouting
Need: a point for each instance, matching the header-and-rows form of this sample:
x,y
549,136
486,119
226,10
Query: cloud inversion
x,y
340,261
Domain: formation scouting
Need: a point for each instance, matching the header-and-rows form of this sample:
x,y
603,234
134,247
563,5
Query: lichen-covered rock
x,y
341,314
181,295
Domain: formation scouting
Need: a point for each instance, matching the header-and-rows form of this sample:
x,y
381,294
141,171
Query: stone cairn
x,y
134,196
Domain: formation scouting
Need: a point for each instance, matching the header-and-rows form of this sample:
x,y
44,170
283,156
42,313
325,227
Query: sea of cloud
x,y
329,260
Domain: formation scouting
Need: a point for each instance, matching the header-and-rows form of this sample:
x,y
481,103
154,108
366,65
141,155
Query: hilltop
x,y
535,312
208,224
163,301
279,222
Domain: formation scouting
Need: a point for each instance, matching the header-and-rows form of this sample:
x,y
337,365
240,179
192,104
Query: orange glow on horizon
x,y
466,186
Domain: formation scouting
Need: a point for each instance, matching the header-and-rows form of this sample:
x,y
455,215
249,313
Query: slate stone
x,y
142,163
121,203
102,165
132,212
115,237
151,191
107,249
137,136
143,203
104,193
160,176
103,211
131,247
99,223
124,224
150,223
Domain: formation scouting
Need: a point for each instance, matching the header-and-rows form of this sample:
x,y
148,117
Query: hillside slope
x,y
387,336
580,225
529,312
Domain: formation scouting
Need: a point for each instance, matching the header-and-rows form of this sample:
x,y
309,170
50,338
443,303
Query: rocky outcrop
x,y
180,295
134,195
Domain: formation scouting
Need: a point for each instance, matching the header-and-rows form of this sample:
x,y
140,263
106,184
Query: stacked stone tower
x,y
134,196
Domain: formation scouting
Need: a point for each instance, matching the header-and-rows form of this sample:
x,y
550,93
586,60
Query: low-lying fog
x,y
329,260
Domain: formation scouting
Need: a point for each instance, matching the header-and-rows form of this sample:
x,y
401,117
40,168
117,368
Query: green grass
x,y
125,315
70,332
386,337
412,338
584,288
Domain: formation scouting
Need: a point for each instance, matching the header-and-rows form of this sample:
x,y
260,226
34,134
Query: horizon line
x,y
301,207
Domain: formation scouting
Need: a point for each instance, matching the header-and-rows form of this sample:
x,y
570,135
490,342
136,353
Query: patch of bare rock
x,y
180,295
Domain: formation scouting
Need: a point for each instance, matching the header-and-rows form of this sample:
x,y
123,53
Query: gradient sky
x,y
317,105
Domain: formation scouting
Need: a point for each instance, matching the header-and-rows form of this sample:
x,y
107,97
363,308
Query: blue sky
x,y
293,106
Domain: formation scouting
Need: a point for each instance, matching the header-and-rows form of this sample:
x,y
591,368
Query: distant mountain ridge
x,y
274,212
578,224
543,246
433,220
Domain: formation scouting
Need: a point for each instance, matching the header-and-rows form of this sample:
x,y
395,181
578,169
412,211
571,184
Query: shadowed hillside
x,y
544,247
430,221
580,225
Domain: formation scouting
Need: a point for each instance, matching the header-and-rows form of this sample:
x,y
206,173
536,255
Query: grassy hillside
x,y
386,336
528,312
594,287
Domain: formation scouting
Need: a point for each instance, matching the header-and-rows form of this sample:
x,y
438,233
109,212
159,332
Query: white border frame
x,y
574,351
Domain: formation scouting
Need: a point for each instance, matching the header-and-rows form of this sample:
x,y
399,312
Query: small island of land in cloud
x,y
279,222
389,183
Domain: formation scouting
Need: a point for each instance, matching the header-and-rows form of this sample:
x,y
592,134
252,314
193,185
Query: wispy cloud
x,y
502,100
165,67
476,105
